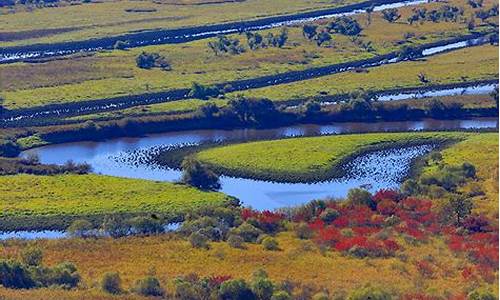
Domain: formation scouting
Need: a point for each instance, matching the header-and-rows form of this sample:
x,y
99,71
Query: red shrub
x,y
341,222
390,195
218,279
386,207
328,236
425,268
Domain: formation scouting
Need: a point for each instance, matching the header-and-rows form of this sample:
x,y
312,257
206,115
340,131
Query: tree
x,y
152,60
345,25
270,244
460,208
203,92
369,11
199,175
198,240
309,30
357,196
146,225
207,110
408,52
391,15
262,286
483,15
494,95
115,226
111,283
323,37
254,40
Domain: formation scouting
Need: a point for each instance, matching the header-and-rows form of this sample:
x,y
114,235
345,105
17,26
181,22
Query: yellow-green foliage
x,y
482,151
311,155
72,195
298,260
476,63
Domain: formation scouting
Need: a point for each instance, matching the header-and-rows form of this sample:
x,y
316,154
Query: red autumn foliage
x,y
390,195
386,207
418,296
425,268
218,279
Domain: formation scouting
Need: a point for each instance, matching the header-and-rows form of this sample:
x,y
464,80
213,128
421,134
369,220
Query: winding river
x,y
121,157
181,35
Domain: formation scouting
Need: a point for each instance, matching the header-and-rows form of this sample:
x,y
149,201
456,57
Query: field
x,y
114,73
29,201
305,159
73,22
471,64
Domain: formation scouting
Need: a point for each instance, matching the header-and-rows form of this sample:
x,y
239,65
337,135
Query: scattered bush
x,y
235,289
111,283
303,231
236,241
198,240
345,26
357,197
32,256
247,231
143,225
149,286
391,15
152,60
270,244
203,92
199,175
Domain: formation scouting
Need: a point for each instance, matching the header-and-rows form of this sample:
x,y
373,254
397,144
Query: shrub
x,y
111,283
482,294
64,275
281,295
198,240
198,175
248,232
15,275
235,289
81,228
303,231
270,243
203,92
369,293
115,226
261,286
391,15
358,197
329,215
152,60
32,256
149,286
309,30
236,241
320,296
146,225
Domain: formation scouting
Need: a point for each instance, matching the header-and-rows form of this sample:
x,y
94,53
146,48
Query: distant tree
x,y
369,292
369,11
422,78
223,44
309,30
475,3
261,285
198,240
323,37
203,92
270,243
146,225
235,289
408,52
152,60
32,256
483,15
494,95
359,196
345,25
207,110
254,40
459,207
391,15
278,40
199,175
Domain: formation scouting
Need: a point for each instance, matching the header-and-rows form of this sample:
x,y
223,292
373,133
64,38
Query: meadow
x,y
114,73
111,17
307,159
42,202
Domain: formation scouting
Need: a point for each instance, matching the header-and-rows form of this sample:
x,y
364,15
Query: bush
x,y
198,175
115,226
146,225
369,293
149,286
15,275
32,256
236,241
303,231
482,294
281,295
270,243
345,26
248,232
152,60
358,197
261,286
329,215
81,228
320,296
235,289
111,283
198,240
64,275
391,15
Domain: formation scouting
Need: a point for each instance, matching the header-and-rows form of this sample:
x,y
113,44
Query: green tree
x,y
391,15
111,283
460,208
199,175
149,286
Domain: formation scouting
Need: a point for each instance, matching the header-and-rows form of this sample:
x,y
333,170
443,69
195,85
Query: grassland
x,y
305,159
471,64
114,73
482,151
28,201
299,261
110,17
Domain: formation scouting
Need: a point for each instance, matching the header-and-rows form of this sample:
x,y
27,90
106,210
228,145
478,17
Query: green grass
x,y
114,73
306,159
470,64
104,18
482,151
28,201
